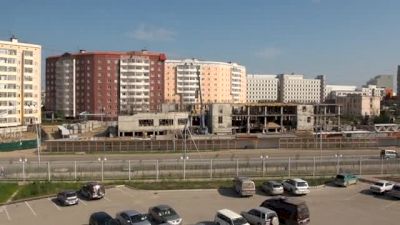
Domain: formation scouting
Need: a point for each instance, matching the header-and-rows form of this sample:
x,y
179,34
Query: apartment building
x,y
332,91
104,84
262,88
219,82
20,83
359,105
294,88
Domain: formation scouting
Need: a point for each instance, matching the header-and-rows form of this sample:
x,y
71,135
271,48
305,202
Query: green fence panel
x,y
18,145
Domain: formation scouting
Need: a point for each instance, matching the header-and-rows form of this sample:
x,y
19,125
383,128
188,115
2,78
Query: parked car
x,y
296,186
229,217
261,216
389,154
395,192
345,179
290,211
67,198
93,190
381,187
101,218
244,186
132,217
272,187
164,214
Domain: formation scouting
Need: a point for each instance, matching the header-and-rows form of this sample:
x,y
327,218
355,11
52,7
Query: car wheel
x,y
275,221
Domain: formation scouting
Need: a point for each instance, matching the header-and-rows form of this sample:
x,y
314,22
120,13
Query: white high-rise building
x,y
262,88
294,88
20,83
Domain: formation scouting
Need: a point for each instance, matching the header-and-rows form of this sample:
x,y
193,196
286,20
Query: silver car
x,y
131,217
272,187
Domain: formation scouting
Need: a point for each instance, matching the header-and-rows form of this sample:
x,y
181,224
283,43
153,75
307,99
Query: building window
x,y
146,123
308,119
166,122
220,119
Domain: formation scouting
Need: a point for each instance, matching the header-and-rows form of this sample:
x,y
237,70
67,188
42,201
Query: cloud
x,y
152,33
269,53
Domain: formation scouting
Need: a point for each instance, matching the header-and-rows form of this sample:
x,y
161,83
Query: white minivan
x,y
229,217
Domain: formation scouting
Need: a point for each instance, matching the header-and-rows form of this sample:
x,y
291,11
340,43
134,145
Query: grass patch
x,y
6,190
174,185
36,189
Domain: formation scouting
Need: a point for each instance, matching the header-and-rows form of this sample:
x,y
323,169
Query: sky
x,y
349,41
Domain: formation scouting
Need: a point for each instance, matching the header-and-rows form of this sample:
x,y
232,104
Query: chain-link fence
x,y
194,168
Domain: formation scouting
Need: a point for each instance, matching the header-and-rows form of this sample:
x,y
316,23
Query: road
x,y
245,153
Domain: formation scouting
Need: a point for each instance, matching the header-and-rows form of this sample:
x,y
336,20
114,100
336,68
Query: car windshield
x,y
138,218
166,212
340,177
301,184
378,184
276,185
71,194
239,221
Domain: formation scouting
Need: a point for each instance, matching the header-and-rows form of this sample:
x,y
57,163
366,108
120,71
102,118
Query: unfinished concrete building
x,y
146,124
271,118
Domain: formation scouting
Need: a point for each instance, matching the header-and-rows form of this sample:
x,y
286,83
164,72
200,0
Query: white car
x,y
381,187
296,186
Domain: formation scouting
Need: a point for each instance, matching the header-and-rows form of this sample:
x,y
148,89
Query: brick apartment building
x,y
104,84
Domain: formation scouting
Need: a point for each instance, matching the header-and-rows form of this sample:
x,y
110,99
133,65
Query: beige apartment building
x,y
20,83
359,105
220,82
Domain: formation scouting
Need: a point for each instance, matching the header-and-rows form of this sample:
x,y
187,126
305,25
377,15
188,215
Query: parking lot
x,y
328,205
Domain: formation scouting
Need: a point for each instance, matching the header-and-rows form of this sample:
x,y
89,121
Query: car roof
x,y
264,210
100,215
131,212
298,180
293,201
162,207
229,213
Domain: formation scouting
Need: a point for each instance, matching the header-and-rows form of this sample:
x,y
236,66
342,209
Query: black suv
x,y
93,190
290,211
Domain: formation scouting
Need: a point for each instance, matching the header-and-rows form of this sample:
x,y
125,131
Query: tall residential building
x,y
220,82
262,88
20,83
104,84
296,89
398,82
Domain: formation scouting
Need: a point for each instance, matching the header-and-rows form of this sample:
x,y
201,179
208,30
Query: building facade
x,y
332,91
104,84
359,105
20,83
219,82
262,88
296,89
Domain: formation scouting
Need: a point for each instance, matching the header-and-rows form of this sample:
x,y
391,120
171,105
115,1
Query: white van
x,y
244,186
228,217
389,154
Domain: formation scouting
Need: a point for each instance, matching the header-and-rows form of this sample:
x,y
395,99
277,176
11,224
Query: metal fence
x,y
194,168
123,145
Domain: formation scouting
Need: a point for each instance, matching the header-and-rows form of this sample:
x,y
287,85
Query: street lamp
x,y
102,160
263,157
338,161
23,161
184,158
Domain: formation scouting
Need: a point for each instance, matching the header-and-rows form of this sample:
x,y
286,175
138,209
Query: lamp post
x,y
23,161
338,161
184,158
263,158
102,160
